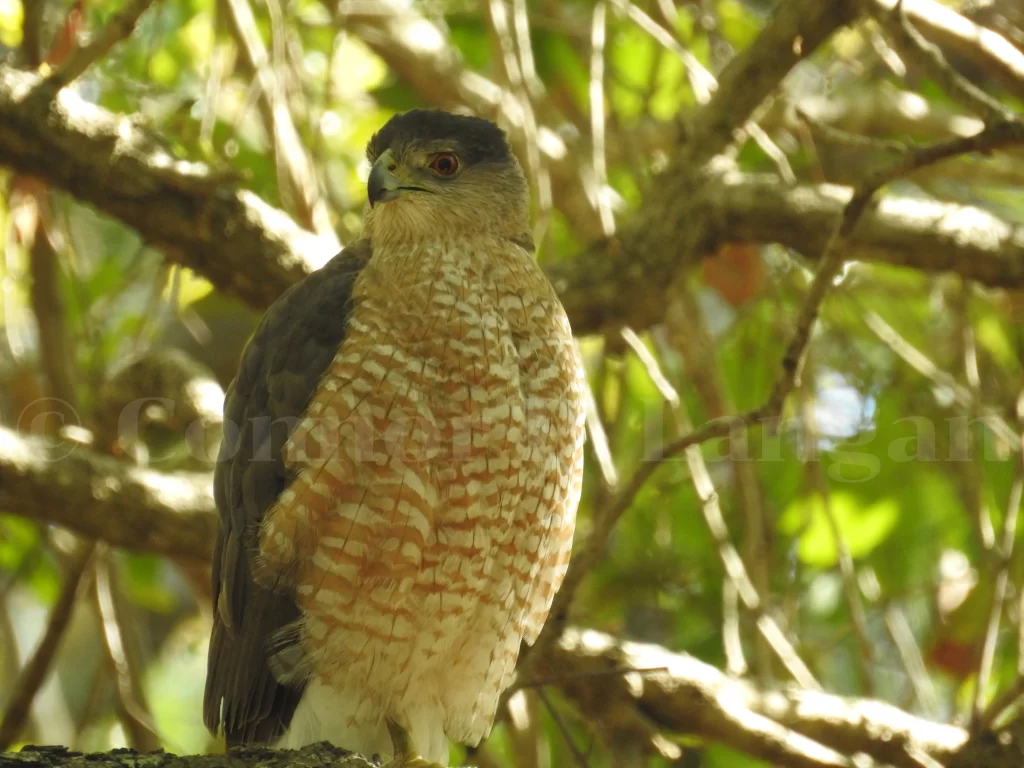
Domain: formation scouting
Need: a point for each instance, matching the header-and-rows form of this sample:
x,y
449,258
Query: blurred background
x,y
875,528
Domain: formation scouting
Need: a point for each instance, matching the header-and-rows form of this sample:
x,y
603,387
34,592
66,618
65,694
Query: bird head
x,y
436,175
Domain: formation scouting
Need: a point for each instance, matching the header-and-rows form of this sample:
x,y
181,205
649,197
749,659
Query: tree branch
x,y
102,498
684,695
199,219
795,31
622,281
313,755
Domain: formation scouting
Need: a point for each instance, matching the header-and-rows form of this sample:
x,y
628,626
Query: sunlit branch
x,y
97,496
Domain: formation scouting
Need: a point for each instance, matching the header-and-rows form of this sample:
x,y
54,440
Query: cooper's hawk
x,y
398,502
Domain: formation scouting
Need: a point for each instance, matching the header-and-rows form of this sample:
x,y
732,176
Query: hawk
x,y
402,462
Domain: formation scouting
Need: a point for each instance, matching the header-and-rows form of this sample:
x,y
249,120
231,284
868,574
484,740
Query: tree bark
x,y
314,755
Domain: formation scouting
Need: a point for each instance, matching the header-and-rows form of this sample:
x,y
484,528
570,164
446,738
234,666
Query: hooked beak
x,y
383,184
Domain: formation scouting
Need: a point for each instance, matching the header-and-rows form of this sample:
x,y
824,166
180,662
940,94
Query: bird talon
x,y
405,753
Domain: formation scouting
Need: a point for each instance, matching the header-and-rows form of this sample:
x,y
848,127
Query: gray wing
x,y
280,368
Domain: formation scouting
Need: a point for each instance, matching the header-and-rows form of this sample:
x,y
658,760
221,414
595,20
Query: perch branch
x,y
250,757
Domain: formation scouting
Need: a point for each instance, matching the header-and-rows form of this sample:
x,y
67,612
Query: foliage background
x,y
871,525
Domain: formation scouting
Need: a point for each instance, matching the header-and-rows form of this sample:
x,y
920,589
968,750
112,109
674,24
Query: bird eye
x,y
444,164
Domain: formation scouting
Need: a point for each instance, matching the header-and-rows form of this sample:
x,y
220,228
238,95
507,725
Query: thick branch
x,y
245,247
314,755
795,30
102,498
684,695
621,282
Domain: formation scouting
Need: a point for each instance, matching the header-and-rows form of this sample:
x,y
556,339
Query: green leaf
x,y
994,338
738,24
18,537
862,526
10,23
144,582
471,37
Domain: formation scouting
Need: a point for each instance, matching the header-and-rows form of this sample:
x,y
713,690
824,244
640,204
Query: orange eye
x,y
444,164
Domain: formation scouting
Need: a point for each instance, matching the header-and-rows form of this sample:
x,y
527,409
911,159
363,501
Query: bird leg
x,y
406,755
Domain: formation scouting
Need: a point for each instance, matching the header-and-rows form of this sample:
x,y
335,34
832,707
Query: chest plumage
x,y
438,468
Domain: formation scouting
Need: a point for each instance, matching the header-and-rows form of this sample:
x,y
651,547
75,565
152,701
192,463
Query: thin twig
x,y
848,139
701,81
119,28
704,85
732,643
296,176
578,756
906,644
921,363
34,674
597,118
735,569
1005,553
131,703
847,571
962,437
686,331
654,373
519,91
599,441
995,135
521,22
